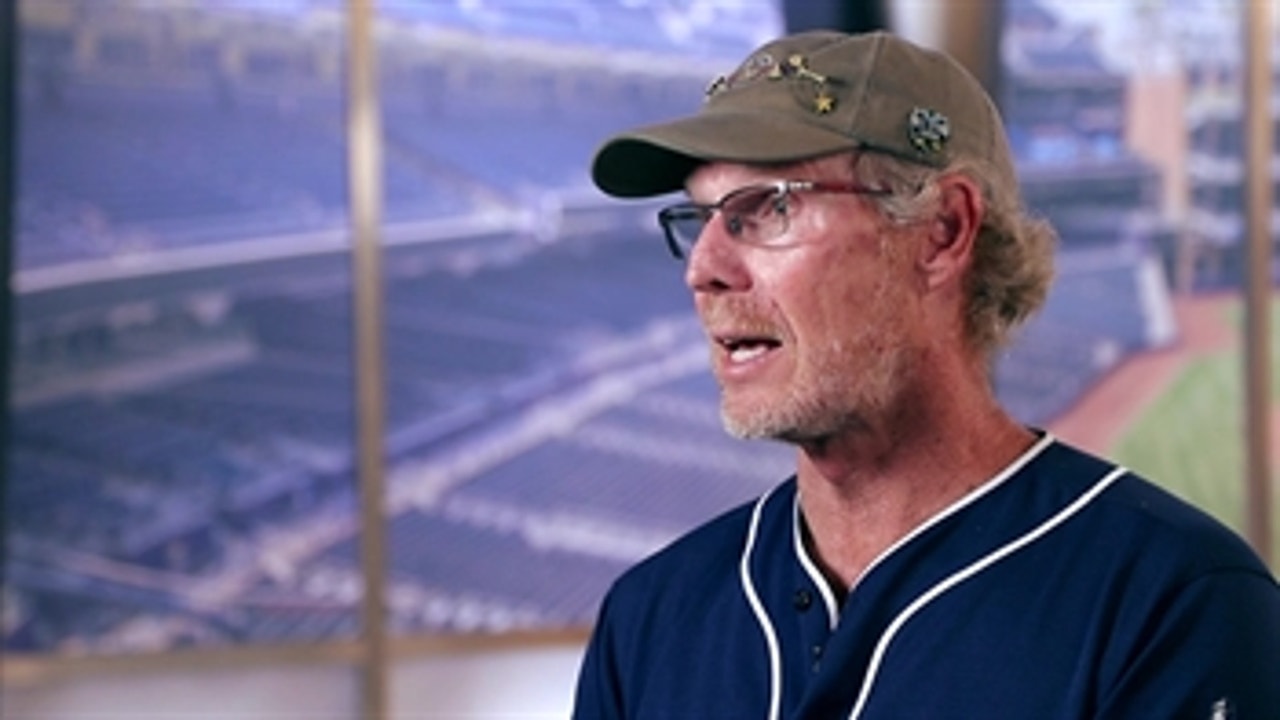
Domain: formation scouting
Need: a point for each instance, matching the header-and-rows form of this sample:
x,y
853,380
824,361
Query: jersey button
x,y
803,599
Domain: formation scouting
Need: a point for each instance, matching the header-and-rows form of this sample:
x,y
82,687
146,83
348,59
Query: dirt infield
x,y
1098,419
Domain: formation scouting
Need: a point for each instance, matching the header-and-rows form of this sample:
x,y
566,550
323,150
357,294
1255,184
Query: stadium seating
x,y
514,500
1095,316
111,171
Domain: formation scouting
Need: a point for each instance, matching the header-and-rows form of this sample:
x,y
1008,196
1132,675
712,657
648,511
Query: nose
x,y
715,262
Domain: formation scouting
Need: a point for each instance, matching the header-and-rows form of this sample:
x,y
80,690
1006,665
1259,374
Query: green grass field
x,y
1191,440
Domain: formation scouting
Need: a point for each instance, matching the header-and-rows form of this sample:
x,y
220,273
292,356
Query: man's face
x,y
810,334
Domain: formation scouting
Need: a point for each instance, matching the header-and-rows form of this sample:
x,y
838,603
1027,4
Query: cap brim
x,y
657,159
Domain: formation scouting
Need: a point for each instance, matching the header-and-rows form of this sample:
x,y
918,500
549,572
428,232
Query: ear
x,y
947,251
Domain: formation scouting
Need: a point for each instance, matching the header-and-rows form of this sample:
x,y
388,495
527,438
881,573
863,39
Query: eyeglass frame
x,y
686,210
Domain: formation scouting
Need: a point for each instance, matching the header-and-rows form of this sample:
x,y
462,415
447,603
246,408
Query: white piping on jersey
x,y
828,598
815,575
973,569
762,617
968,499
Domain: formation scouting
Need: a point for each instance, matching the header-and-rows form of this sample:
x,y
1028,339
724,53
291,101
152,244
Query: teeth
x,y
743,353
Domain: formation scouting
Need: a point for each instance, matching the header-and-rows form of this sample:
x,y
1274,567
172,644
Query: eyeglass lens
x,y
744,211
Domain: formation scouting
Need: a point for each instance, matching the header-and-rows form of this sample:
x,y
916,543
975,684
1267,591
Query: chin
x,y
744,423
798,420
771,422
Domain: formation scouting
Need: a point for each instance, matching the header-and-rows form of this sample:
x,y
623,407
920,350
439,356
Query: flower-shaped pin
x,y
928,130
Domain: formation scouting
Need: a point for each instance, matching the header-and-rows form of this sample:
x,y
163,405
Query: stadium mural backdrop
x,y
181,460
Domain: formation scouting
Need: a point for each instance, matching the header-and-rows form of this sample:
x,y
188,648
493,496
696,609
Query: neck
x,y
863,491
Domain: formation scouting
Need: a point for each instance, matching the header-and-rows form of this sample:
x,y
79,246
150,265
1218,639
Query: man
x,y
857,253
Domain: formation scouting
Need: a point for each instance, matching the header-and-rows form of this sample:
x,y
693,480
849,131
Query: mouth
x,y
742,349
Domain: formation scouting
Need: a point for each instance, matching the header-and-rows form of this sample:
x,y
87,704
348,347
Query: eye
x,y
750,207
762,203
734,223
766,206
780,204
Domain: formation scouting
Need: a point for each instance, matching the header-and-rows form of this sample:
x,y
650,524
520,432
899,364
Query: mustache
x,y
739,317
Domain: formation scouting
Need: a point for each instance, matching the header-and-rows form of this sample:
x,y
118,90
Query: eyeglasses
x,y
755,214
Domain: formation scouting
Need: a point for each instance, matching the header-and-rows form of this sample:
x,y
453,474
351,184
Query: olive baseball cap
x,y
813,94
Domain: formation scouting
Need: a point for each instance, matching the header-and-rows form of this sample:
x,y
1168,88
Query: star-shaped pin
x,y
824,103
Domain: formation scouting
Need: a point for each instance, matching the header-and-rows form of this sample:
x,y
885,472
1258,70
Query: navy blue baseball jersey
x,y
1065,587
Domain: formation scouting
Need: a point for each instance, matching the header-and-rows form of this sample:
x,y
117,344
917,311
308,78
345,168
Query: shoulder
x,y
1175,607
699,567
1199,617
1174,526
1144,524
702,553
664,623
